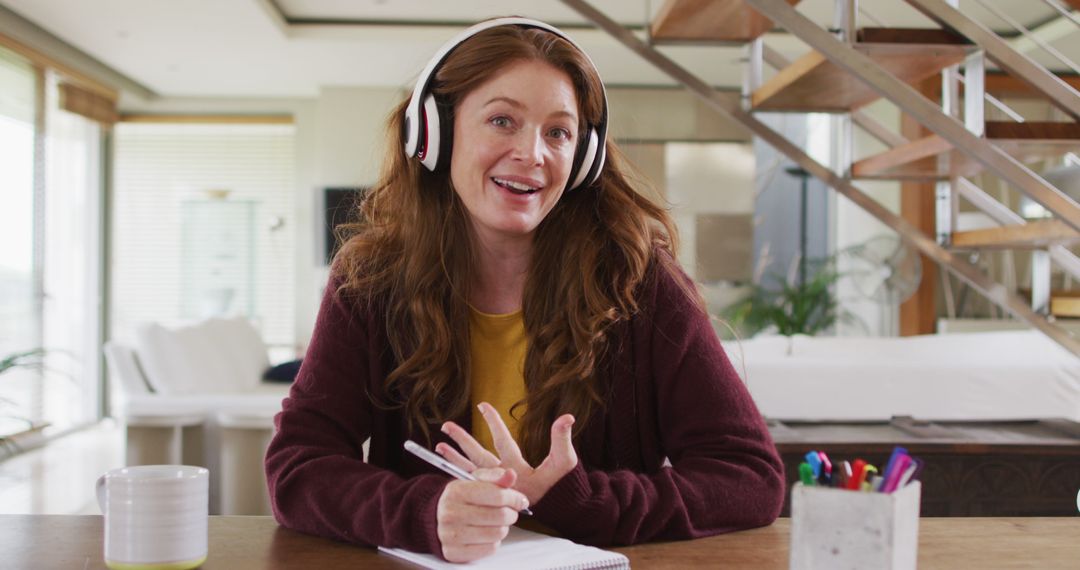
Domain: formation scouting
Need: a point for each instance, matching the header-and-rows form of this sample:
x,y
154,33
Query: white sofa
x,y
986,376
194,395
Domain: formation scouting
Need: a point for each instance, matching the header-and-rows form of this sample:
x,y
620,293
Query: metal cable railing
x,y
1063,11
994,101
869,16
999,104
1029,34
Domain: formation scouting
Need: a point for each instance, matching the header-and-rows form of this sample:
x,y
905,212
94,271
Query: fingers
x,y
474,516
504,478
505,445
481,516
467,553
562,445
446,450
472,448
485,494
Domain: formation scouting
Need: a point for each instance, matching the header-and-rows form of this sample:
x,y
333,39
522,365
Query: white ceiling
x,y
291,48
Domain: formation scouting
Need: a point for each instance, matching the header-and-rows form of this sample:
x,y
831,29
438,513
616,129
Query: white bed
x,y
1011,375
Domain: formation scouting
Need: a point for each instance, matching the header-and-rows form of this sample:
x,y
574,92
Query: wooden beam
x,y
927,146
916,160
918,314
1037,234
209,119
74,75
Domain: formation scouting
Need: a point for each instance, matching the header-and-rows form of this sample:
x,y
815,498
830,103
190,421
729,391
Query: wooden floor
x,y
59,477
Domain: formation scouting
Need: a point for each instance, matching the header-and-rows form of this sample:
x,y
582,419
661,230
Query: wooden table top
x,y
49,542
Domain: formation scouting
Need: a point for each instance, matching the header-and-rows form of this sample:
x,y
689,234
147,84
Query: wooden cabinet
x,y
978,469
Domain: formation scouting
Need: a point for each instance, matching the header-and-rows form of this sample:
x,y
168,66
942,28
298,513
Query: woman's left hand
x,y
532,482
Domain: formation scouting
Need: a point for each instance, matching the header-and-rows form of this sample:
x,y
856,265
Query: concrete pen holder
x,y
838,528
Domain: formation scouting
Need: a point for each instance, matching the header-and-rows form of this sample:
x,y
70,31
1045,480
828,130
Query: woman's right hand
x,y
474,516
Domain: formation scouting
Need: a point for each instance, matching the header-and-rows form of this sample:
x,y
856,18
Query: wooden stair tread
x,y
1045,131
1036,234
1065,306
917,160
909,36
1002,85
814,84
708,21
1063,303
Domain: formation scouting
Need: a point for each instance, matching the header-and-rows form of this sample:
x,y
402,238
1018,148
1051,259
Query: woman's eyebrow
x,y
512,102
519,105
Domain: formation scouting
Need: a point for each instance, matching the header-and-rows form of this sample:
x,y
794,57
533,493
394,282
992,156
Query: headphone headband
x,y
422,121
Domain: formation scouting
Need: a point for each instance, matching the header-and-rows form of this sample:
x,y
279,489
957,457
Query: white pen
x,y
439,461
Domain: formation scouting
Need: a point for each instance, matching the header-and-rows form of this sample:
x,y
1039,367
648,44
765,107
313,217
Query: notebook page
x,y
527,550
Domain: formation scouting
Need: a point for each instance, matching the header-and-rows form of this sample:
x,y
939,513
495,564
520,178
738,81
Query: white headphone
x,y
423,120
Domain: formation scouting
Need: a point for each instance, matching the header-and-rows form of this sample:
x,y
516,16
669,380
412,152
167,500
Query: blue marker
x,y
896,453
815,463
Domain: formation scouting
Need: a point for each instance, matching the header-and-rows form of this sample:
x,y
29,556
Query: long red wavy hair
x,y
410,252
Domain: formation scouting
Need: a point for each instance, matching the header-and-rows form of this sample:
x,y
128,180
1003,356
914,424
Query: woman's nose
x,y
529,146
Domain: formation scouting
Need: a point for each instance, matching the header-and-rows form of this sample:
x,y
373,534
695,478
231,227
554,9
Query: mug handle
x,y
99,488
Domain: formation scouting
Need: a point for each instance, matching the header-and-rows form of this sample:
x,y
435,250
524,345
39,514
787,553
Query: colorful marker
x,y
806,474
814,460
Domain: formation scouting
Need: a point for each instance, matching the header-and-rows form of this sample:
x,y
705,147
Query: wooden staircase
x,y
708,21
1039,234
918,160
813,83
843,75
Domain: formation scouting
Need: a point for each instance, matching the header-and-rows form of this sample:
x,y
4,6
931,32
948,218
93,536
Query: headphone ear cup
x,y
430,134
580,176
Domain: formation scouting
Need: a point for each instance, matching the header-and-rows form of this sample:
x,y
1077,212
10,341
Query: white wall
x,y
716,178
340,142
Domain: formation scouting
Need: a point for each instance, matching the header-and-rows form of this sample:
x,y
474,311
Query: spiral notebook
x,y
526,550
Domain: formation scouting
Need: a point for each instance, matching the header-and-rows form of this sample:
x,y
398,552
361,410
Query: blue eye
x,y
560,133
500,121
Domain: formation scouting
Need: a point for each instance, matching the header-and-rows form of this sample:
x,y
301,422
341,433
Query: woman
x,y
510,300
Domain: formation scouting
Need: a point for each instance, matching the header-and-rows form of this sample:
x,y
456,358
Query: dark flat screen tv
x,y
339,206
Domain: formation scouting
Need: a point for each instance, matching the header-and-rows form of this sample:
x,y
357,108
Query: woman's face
x,y
514,142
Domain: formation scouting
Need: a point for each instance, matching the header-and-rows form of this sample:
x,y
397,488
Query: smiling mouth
x,y
514,187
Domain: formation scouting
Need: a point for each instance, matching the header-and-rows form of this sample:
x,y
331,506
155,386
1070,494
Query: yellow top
x,y
497,351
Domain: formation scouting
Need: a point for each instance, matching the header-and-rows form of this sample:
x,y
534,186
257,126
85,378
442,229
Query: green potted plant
x,y
33,359
26,359
791,306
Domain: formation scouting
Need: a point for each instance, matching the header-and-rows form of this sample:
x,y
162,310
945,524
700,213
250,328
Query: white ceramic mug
x,y
155,516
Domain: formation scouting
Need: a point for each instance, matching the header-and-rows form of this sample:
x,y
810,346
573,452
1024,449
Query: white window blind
x,y
16,87
50,191
71,310
20,316
203,225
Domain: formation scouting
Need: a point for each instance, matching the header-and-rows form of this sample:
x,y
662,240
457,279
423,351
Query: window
x,y
20,318
203,226
50,191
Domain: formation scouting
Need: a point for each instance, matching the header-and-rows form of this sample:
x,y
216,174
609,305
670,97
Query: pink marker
x,y
892,480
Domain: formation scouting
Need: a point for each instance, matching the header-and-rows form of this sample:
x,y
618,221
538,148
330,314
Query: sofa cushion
x,y
242,352
216,356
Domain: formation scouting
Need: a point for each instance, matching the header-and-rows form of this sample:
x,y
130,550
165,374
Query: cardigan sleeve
x,y
318,480
725,473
